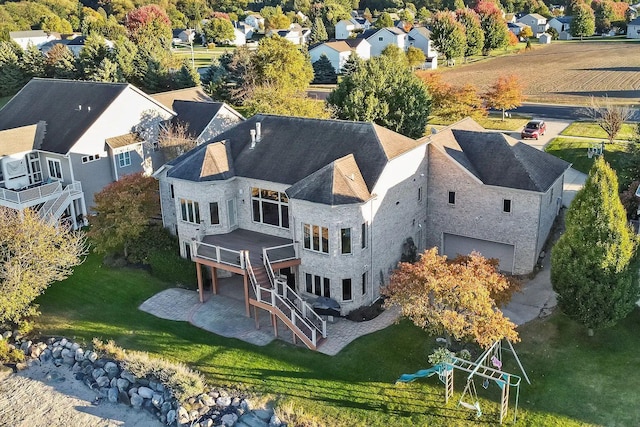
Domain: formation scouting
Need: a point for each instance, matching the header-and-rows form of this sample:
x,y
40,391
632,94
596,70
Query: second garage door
x,y
454,245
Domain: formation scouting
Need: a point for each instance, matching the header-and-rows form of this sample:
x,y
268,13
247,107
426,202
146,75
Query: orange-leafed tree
x,y
450,102
456,298
505,93
123,210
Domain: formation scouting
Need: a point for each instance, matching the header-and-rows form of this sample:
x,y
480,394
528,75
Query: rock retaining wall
x,y
217,407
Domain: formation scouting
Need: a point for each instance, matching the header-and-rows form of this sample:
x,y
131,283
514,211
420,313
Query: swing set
x,y
488,367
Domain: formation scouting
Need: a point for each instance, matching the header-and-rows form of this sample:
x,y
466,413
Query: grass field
x,y
202,56
493,122
356,387
562,72
592,130
574,150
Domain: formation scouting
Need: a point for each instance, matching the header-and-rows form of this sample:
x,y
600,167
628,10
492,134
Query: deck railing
x,y
218,254
22,198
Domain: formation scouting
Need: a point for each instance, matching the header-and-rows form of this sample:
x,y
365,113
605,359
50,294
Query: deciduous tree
x,y
149,24
584,21
175,140
123,210
526,32
448,35
33,255
456,298
453,103
609,116
269,100
278,62
415,57
383,21
505,94
381,91
60,63
473,31
496,32
594,264
219,30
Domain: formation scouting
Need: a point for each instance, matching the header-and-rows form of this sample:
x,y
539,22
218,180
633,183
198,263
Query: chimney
x,y
253,138
258,133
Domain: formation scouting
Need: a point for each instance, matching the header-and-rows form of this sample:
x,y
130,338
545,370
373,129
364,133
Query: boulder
x,y
122,384
207,400
92,356
123,397
111,369
182,415
128,376
36,351
235,402
79,355
207,422
145,392
103,381
157,400
229,419
223,401
56,353
97,373
133,390
171,416
46,355
75,346
137,401
112,395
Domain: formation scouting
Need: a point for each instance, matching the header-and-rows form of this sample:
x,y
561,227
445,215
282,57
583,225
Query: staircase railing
x,y
305,310
283,308
53,209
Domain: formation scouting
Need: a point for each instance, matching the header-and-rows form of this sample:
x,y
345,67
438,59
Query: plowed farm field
x,y
568,72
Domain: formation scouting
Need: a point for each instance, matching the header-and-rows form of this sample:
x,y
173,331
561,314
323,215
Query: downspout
x,y
115,168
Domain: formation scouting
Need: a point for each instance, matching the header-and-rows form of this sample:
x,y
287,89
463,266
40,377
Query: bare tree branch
x,y
609,116
175,140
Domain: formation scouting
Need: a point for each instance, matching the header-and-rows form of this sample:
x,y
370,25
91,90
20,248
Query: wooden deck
x,y
254,242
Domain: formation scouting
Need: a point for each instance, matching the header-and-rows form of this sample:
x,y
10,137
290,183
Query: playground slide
x,y
423,373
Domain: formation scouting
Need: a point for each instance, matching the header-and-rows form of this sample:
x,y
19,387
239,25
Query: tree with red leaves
x,y
149,23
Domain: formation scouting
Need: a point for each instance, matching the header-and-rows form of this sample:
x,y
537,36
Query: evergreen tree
x,y
594,265
123,53
33,62
352,63
106,71
318,32
60,63
154,79
323,71
187,76
93,53
12,77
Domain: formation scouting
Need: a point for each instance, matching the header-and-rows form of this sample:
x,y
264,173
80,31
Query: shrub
x,y
440,355
9,354
108,349
153,238
170,267
211,45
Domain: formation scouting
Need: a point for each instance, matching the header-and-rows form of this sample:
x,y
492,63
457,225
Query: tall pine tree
x,y
318,31
323,71
594,265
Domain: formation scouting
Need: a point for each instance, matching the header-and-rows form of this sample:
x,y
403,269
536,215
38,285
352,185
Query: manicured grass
x,y
574,150
592,130
201,55
492,121
356,387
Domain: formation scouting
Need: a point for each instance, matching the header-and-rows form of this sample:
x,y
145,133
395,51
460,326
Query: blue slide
x,y
423,373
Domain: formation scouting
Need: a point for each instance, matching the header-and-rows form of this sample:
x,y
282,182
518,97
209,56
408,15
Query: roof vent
x,y
79,107
253,138
258,131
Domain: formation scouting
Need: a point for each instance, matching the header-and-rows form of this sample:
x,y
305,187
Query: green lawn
x,y
574,151
356,387
201,55
492,121
592,130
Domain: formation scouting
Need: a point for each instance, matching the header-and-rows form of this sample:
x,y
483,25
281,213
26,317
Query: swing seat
x,y
472,407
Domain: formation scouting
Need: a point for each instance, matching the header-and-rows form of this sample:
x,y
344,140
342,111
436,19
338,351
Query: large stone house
x,y
326,207
61,141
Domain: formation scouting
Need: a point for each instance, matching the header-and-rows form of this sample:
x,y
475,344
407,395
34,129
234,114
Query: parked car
x,y
534,129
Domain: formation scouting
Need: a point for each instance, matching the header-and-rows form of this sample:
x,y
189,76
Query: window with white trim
x,y
316,238
55,168
318,285
190,211
124,159
270,207
35,173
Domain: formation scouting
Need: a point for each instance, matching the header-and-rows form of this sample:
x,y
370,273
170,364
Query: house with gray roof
x,y
380,38
34,37
490,193
204,120
307,209
537,22
62,141
339,51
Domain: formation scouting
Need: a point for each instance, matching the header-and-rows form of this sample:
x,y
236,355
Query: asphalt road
x,y
560,112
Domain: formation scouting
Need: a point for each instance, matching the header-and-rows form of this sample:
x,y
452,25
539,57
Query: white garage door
x,y
455,245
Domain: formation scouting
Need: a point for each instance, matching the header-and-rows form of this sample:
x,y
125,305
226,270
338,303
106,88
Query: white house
x,y
255,20
245,28
420,37
537,22
304,208
35,37
295,34
183,35
633,29
62,141
338,51
76,44
516,28
561,23
380,38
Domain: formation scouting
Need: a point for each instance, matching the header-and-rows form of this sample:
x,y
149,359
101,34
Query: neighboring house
x,y
35,37
380,38
76,44
295,34
255,20
246,29
188,94
510,17
633,29
544,38
240,39
561,23
338,51
205,120
325,207
537,22
183,35
516,28
491,193
565,35
348,28
420,37
62,141
46,47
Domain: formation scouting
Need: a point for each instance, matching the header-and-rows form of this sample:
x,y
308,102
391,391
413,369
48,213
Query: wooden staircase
x,y
285,304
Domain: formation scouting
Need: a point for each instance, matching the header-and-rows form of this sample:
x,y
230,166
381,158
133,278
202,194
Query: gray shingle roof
x,y
195,115
291,149
57,103
499,160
